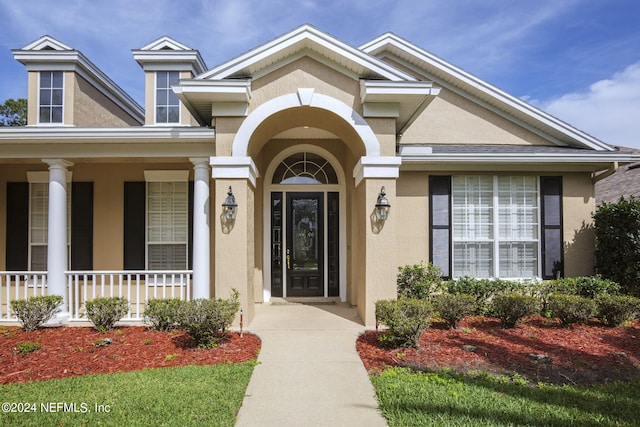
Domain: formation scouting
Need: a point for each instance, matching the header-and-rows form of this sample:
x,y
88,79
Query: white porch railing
x,y
19,285
137,286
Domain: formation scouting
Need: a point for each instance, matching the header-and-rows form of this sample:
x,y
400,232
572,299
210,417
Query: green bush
x,y
571,309
419,281
162,314
104,312
453,307
35,311
617,250
483,289
614,310
406,319
510,308
588,286
206,320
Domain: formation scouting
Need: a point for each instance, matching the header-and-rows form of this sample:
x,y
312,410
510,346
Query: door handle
x,y
288,259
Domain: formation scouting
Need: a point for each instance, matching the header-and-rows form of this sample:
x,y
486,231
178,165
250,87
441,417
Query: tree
x,y
13,112
617,230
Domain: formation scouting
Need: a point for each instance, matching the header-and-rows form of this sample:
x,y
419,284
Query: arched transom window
x,y
305,168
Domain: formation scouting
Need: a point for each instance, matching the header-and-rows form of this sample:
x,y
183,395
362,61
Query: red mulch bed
x,y
583,354
72,351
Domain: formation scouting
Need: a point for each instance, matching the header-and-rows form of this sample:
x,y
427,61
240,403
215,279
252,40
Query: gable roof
x,y
165,52
310,41
448,75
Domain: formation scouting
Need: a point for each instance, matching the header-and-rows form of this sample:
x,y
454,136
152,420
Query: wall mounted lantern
x,y
230,207
382,206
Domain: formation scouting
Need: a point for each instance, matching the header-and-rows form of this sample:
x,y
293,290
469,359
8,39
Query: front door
x,y
304,250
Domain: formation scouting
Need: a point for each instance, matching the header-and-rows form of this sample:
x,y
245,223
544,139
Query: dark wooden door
x,y
304,252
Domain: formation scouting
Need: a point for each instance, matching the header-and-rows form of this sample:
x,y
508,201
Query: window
x,y
167,104
305,168
495,226
38,226
51,97
167,225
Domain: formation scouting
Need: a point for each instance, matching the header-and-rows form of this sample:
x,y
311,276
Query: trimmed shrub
x,y
206,320
617,251
588,286
419,281
510,308
614,310
162,314
571,309
406,319
104,312
35,311
453,307
483,289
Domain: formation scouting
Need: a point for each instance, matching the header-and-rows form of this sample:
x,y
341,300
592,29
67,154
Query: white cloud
x,y
608,110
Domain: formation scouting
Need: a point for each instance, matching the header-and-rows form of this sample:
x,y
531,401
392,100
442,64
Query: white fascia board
x,y
216,90
376,167
306,36
46,42
486,88
165,42
159,60
409,156
384,91
99,135
234,168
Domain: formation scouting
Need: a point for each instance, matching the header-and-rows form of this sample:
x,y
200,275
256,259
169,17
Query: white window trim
x,y
64,89
495,239
155,101
164,176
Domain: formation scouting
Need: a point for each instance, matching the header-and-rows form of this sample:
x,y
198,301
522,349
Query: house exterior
x,y
304,168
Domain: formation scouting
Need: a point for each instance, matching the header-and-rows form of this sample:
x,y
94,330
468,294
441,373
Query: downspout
x,y
598,176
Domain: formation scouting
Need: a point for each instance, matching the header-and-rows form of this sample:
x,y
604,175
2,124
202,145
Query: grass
x,y
409,398
192,395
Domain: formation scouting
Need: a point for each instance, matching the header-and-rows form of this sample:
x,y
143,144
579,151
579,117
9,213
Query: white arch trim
x,y
304,97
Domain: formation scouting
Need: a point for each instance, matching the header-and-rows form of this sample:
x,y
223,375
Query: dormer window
x,y
167,104
51,96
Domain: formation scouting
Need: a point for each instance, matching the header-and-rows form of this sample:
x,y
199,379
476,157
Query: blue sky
x,y
576,59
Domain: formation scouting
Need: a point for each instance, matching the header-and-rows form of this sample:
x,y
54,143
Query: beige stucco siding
x,y
412,211
578,208
453,119
91,108
305,73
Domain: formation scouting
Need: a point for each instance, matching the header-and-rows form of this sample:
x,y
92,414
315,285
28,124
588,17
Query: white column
x,y
201,232
57,230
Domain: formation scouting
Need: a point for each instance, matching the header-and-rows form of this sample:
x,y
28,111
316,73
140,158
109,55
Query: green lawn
x,y
184,396
448,398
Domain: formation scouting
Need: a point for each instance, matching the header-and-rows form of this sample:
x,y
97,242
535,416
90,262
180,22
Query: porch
x,y
82,286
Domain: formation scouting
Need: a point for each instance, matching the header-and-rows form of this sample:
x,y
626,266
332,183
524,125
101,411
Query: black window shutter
x,y
440,223
82,225
552,241
190,227
17,206
134,220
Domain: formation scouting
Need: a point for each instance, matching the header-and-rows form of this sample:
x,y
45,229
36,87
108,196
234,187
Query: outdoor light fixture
x,y
382,206
230,207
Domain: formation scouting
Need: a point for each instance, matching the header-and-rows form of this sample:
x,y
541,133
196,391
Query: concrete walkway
x,y
308,372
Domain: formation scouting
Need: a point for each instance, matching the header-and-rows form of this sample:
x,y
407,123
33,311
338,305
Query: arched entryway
x,y
304,225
